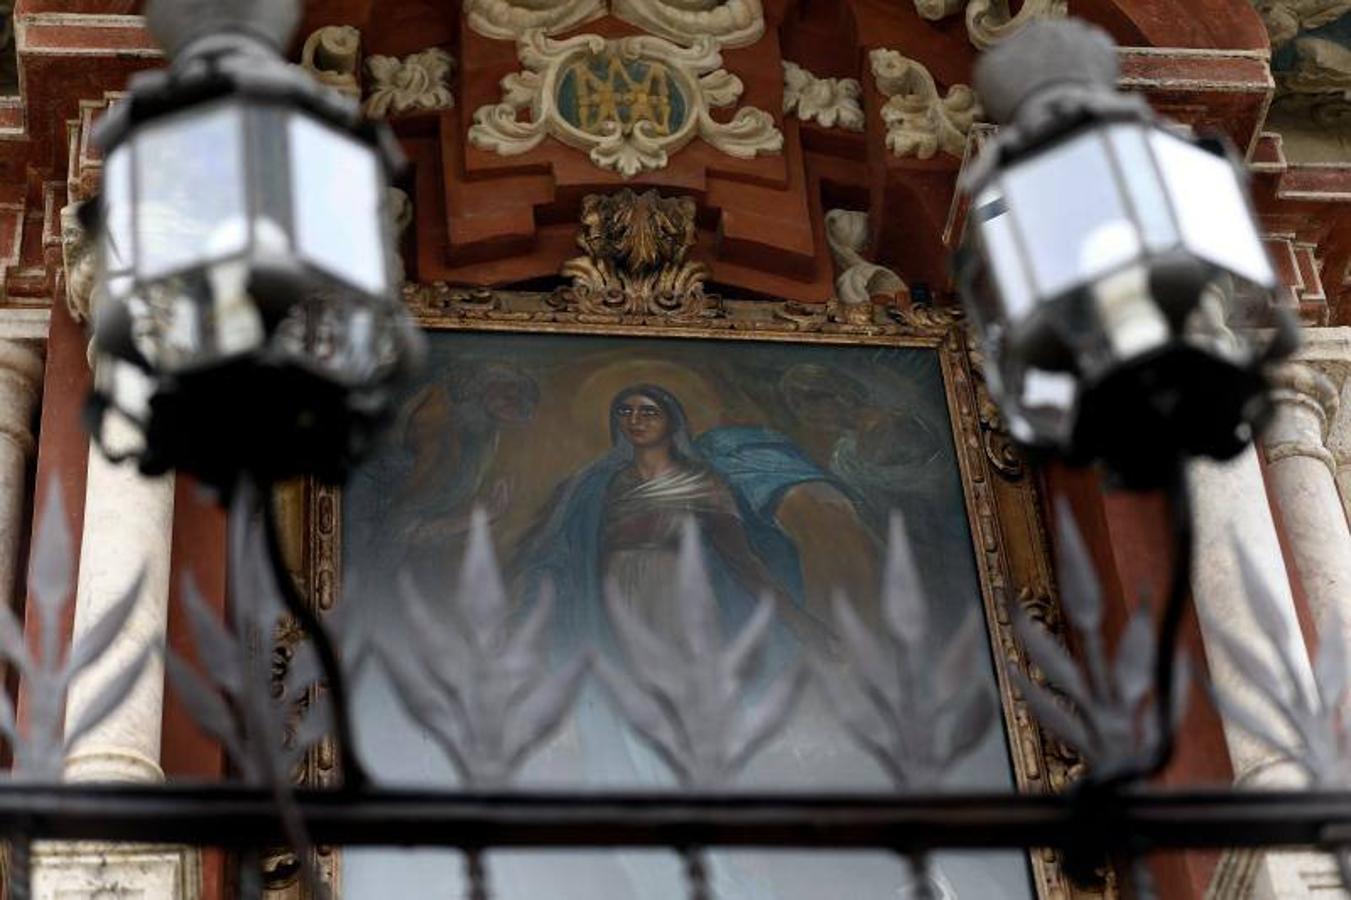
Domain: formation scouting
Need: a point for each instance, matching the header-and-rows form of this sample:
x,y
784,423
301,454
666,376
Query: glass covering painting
x,y
588,453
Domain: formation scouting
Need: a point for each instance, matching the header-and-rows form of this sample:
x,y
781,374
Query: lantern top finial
x,y
1045,58
179,23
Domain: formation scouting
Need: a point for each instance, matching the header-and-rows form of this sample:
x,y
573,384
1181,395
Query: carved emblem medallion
x,y
603,91
629,103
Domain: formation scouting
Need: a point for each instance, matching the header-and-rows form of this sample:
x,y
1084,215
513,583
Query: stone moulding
x,y
416,83
920,121
829,102
642,144
729,23
1287,18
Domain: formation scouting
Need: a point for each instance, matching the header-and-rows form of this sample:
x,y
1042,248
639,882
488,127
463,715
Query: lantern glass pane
x,y
1140,177
339,188
991,214
1212,211
1066,201
117,208
190,198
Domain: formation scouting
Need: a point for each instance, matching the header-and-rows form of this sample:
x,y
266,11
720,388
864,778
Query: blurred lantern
x,y
248,317
1095,232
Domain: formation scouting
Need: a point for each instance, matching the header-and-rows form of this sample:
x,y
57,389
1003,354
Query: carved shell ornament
x,y
629,103
728,23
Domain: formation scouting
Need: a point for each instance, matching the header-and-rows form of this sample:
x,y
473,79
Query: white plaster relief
x,y
729,23
633,136
830,102
919,120
416,83
508,20
1286,18
990,21
332,55
858,280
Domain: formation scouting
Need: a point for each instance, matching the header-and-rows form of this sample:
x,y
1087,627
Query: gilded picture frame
x,y
1003,508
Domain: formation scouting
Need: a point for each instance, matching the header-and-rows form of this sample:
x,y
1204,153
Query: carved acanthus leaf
x,y
332,55
728,23
991,21
1287,18
827,101
416,83
636,249
631,124
920,121
858,281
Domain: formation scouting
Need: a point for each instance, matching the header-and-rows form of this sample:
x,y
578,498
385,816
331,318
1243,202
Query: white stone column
x,y
1230,506
128,525
21,371
1303,476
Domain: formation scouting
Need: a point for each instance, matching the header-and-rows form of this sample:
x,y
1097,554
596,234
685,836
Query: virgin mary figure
x,y
619,519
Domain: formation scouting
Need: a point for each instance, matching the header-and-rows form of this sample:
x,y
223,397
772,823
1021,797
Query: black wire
x,y
354,773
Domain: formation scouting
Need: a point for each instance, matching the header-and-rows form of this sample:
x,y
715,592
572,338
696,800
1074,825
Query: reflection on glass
x,y
1066,197
190,204
1212,211
339,196
1141,180
1002,246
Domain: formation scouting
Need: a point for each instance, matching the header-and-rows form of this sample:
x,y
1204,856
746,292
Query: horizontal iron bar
x,y
237,816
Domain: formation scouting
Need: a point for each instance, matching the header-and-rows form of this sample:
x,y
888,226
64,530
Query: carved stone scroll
x,y
859,280
920,121
991,21
333,55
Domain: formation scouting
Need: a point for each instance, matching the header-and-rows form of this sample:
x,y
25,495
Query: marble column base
x,y
99,871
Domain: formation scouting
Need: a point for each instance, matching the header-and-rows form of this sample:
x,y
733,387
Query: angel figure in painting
x,y
618,521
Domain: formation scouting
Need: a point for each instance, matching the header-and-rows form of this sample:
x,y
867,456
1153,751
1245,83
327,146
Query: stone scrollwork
x,y
416,83
919,120
859,280
991,21
332,55
507,20
728,23
830,102
635,258
629,102
1287,18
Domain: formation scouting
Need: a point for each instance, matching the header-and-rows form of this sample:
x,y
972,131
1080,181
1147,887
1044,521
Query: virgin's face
x,y
642,421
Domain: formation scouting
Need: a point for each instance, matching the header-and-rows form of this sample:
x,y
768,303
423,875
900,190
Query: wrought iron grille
x,y
487,696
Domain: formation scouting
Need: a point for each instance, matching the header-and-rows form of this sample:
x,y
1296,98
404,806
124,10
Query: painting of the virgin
x,y
589,454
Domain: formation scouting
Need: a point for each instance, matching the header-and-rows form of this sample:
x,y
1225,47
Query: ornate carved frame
x,y
1002,500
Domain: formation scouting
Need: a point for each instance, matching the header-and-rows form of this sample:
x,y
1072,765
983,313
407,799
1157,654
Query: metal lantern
x,y
1095,233
248,316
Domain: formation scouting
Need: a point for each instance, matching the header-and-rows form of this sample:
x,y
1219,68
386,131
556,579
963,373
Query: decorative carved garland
x,y
632,138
